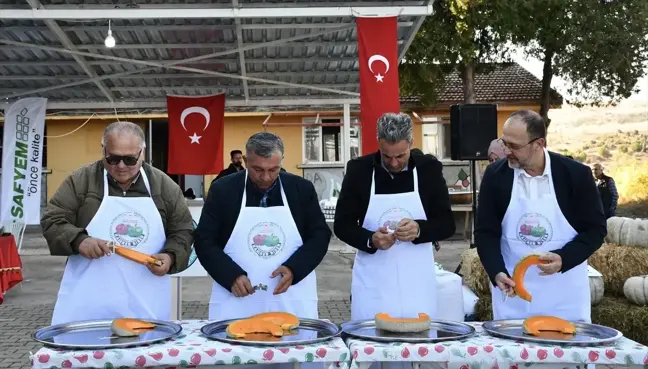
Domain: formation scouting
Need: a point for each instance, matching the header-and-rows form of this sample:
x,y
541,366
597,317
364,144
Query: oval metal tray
x,y
308,332
96,334
440,330
586,334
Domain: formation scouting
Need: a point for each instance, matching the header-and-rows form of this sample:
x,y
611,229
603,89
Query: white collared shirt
x,y
533,187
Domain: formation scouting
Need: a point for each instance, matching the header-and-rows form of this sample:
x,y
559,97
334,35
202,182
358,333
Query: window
x,y
436,137
324,143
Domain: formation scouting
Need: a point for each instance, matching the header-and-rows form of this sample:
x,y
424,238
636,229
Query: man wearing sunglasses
x,y
538,202
117,200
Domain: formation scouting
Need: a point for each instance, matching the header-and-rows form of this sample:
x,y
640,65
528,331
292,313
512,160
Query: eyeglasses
x,y
127,159
514,147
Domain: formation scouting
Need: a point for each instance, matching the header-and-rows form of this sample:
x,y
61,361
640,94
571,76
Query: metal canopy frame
x,y
260,54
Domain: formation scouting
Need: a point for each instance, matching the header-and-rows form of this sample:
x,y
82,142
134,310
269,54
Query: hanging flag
x,y
195,134
22,158
378,60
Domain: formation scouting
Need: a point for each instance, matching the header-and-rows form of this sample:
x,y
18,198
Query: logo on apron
x,y
534,230
129,229
266,239
392,217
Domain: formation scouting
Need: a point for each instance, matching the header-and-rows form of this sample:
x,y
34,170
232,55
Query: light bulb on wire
x,y
110,40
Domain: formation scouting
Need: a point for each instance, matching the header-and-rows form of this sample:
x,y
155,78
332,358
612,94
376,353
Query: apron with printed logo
x,y
537,225
114,287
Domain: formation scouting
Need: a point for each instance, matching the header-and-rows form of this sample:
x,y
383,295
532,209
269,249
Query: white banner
x,y
22,158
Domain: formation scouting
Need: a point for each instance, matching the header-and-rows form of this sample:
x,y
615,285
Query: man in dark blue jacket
x,y
538,202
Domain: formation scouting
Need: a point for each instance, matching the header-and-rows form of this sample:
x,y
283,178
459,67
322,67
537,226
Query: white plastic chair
x,y
17,229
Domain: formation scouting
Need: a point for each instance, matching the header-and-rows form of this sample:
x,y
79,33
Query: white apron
x,y
261,241
533,226
112,286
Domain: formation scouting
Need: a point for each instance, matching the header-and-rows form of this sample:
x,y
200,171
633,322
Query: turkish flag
x,y
378,59
195,134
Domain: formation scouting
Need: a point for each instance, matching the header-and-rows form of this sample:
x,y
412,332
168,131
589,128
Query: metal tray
x,y
309,331
96,334
586,334
440,330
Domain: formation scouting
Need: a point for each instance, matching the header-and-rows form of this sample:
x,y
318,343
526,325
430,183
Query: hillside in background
x,y
616,137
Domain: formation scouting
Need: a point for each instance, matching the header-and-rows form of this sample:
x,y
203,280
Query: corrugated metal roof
x,y
327,61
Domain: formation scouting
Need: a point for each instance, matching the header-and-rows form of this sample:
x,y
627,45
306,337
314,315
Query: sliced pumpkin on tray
x,y
128,327
548,326
385,322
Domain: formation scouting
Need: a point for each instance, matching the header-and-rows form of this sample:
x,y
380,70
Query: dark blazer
x,y
356,187
221,211
577,197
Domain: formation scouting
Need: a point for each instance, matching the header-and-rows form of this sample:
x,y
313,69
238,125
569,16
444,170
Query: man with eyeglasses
x,y
538,202
117,200
260,237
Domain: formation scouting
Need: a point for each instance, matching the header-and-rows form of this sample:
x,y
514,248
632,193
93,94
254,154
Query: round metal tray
x,y
586,334
96,334
440,330
308,332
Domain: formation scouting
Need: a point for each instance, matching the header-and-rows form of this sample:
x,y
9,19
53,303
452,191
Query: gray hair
x,y
124,128
264,144
394,127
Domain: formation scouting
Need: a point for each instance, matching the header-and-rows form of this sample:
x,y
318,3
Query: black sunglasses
x,y
127,159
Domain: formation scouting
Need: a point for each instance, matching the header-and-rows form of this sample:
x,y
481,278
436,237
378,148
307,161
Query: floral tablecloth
x,y
483,351
192,349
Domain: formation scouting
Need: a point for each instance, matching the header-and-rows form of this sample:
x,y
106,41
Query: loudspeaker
x,y
472,128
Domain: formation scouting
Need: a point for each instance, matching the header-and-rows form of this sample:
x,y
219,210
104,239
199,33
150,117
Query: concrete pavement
x,y
29,305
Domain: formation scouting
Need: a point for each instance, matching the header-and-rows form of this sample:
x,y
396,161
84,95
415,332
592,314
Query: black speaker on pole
x,y
472,128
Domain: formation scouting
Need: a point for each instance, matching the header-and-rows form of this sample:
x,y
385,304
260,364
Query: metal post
x,y
149,152
346,131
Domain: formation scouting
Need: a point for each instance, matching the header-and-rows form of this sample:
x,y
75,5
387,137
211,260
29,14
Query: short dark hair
x,y
234,152
536,125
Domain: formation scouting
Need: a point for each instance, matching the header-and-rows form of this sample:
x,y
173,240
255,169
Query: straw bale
x,y
617,263
474,274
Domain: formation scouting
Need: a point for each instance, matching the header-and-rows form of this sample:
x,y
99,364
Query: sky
x,y
534,66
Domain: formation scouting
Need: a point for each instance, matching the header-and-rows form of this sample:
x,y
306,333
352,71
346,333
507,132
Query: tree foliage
x,y
456,37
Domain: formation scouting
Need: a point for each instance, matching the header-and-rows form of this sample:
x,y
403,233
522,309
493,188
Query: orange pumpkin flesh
x,y
286,321
537,325
402,325
136,256
241,328
127,327
520,270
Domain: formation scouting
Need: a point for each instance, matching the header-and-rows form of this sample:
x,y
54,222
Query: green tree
x,y
600,48
457,37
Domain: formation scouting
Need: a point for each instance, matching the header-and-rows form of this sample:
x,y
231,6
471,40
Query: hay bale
x,y
621,314
474,274
484,309
617,263
613,312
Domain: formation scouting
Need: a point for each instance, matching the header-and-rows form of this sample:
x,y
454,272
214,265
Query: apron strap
x,y
373,182
244,201
142,173
283,193
415,177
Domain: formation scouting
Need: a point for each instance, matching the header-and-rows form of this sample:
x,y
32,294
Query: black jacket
x,y
221,211
577,197
356,187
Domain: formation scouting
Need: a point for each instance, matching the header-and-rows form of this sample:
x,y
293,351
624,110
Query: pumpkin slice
x,y
241,328
520,270
136,256
537,324
127,327
286,321
402,325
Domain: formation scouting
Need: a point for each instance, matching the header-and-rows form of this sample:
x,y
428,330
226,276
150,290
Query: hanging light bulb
x,y
110,40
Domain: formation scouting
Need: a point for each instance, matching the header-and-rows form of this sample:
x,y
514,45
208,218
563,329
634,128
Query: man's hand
x,y
164,267
505,284
382,239
407,230
286,279
93,248
552,263
242,287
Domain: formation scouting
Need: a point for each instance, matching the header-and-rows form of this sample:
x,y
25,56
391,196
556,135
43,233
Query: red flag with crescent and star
x,y
195,134
378,64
